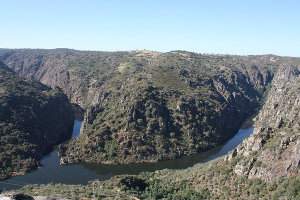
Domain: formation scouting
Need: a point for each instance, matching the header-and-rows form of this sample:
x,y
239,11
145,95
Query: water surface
x,y
52,172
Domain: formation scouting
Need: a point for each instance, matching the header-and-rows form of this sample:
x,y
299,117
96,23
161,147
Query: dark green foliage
x,y
287,188
181,191
22,197
133,183
33,118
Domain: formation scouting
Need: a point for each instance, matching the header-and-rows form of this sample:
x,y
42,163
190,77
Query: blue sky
x,y
229,27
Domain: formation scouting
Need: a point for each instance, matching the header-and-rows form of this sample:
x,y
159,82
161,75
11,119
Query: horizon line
x,y
158,51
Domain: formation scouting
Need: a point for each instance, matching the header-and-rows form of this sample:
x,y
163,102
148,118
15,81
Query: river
x,y
52,172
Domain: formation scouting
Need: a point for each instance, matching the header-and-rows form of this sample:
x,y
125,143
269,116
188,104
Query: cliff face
x,y
33,118
273,151
77,73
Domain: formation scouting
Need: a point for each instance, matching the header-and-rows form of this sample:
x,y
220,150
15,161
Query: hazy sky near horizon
x,y
211,26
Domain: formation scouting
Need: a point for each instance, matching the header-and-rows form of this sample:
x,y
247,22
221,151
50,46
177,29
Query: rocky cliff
x,y
33,118
79,74
273,151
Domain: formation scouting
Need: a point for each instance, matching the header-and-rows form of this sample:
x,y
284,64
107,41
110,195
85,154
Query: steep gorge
x,y
173,89
265,166
33,119
145,106
273,151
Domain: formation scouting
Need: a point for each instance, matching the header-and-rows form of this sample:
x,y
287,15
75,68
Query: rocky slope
x,y
274,149
145,106
79,74
33,118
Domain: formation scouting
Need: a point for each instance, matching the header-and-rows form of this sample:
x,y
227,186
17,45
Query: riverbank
x,y
52,172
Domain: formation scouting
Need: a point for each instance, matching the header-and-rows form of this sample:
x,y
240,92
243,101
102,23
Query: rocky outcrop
x,y
273,151
33,118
